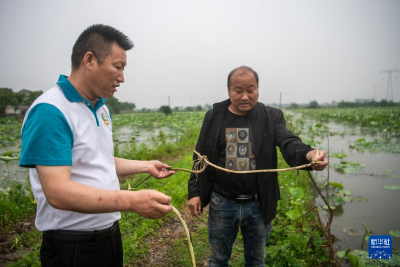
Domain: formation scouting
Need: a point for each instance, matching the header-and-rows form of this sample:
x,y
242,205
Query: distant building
x,y
362,100
21,110
24,91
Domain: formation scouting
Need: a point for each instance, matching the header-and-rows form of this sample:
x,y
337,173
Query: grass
x,y
286,245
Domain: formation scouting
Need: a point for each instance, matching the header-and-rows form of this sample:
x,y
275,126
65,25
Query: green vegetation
x,y
10,131
380,119
297,238
165,109
116,107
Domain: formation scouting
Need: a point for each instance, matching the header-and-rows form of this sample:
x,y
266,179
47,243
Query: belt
x,y
241,198
80,236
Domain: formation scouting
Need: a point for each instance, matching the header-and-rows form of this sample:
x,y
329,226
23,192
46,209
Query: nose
x,y
244,96
121,77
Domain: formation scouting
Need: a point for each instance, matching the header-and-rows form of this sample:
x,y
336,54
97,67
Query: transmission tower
x,y
390,85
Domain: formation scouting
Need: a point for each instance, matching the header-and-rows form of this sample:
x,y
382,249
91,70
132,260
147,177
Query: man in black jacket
x,y
242,134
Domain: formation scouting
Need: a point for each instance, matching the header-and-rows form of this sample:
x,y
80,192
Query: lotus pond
x,y
364,171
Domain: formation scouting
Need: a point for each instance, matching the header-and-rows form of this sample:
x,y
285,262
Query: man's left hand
x,y
317,155
159,170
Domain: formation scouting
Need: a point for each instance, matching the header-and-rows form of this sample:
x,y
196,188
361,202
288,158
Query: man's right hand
x,y
151,204
195,206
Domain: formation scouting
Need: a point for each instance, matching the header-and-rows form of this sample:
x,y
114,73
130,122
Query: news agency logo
x,y
380,247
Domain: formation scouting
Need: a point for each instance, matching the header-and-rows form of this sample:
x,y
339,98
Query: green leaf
x,y
297,193
9,153
395,233
293,214
337,185
339,155
394,261
341,254
8,159
348,167
392,187
355,260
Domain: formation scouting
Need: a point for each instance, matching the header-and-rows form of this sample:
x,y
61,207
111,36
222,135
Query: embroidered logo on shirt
x,y
103,116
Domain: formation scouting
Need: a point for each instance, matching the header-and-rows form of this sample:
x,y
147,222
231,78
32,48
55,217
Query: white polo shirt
x,y
61,128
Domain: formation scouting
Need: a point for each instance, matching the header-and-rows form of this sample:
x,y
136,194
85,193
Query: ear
x,y
88,60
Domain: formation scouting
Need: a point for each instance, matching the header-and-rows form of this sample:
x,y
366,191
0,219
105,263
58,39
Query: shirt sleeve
x,y
47,138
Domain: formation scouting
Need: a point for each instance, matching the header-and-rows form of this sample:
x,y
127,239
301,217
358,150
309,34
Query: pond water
x,y
380,213
122,136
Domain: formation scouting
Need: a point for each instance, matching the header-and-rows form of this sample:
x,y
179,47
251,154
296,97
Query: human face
x,y
243,92
107,76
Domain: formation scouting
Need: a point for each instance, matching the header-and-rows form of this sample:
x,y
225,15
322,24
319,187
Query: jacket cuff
x,y
193,194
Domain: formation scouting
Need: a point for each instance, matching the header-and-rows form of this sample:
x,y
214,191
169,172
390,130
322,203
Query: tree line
x,y
23,99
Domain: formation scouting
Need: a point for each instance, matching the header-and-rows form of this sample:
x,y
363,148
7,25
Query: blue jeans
x,y
225,218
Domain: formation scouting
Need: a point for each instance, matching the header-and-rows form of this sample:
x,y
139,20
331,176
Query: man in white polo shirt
x,y
67,144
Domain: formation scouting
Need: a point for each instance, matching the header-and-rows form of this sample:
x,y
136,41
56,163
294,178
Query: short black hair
x,y
98,39
239,68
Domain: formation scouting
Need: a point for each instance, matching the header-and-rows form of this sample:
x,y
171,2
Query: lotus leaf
x,y
395,233
392,187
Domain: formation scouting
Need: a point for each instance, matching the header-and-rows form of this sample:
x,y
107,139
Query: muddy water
x,y
122,136
381,213
14,172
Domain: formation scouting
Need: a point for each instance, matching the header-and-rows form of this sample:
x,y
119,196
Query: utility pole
x,y
169,102
390,84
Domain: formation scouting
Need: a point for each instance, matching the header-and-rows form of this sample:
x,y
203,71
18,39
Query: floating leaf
x,y
389,171
394,261
352,231
339,155
326,207
9,153
358,198
8,159
345,192
392,187
319,125
337,185
396,176
395,233
348,167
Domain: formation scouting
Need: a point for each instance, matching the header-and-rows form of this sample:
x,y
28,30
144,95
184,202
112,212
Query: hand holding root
x,y
150,204
159,170
318,159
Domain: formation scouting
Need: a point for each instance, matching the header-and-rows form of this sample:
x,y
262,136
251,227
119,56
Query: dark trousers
x,y
75,251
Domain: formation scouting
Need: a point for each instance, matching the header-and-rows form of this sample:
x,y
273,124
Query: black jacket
x,y
268,128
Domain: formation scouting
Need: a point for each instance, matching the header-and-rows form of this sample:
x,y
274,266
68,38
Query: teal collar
x,y
71,93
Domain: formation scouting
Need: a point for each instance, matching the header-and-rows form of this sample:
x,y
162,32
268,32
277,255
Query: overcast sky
x,y
306,50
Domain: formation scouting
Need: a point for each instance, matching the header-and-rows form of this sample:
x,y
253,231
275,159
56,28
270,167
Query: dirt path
x,y
168,234
8,252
